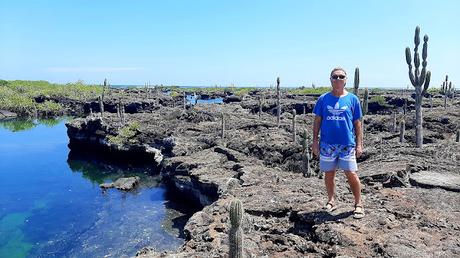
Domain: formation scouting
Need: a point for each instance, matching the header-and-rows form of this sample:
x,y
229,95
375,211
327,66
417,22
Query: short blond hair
x,y
338,69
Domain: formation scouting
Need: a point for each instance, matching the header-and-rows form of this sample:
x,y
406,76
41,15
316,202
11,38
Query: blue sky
x,y
246,43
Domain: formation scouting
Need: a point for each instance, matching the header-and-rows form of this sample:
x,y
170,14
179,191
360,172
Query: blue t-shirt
x,y
337,117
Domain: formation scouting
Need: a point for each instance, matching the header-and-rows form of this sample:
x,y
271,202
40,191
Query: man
x,y
338,114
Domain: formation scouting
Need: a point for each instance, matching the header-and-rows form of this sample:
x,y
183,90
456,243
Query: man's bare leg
x,y
355,185
329,180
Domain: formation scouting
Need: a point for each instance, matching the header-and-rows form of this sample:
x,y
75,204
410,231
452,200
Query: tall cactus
x,y
101,106
420,80
306,155
445,90
236,232
278,105
356,82
365,101
103,89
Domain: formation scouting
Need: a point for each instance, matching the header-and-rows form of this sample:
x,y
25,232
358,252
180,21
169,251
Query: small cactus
x,y
236,232
306,155
356,82
402,130
447,90
103,89
101,106
365,101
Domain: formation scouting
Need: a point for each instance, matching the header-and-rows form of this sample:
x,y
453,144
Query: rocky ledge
x,y
124,183
411,195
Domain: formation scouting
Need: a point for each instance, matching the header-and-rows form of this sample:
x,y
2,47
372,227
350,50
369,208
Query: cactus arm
x,y
427,82
417,36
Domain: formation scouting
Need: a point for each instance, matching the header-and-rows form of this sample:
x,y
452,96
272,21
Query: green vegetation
x,y
378,99
19,96
126,134
240,91
316,90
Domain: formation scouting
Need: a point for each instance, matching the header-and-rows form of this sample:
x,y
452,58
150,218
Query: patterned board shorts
x,y
333,156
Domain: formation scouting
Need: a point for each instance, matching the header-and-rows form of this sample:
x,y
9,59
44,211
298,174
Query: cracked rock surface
x,y
410,195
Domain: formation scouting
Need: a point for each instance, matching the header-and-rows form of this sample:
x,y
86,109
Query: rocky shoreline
x,y
411,195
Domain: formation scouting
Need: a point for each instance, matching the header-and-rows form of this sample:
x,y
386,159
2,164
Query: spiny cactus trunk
x,y
445,100
294,133
236,232
418,117
402,130
306,155
457,137
278,105
365,101
101,106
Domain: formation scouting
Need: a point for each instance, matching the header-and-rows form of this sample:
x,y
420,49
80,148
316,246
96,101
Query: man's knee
x,y
351,174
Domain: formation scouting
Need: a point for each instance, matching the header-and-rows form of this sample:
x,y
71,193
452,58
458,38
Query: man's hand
x,y
359,151
315,148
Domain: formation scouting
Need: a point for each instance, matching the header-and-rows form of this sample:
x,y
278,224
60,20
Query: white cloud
x,y
92,69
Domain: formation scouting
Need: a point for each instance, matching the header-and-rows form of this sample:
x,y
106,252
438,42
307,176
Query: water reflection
x,y
25,124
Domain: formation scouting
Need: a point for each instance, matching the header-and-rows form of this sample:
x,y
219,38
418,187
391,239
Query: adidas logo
x,y
336,111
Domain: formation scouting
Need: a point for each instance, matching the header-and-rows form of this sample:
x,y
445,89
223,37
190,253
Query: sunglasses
x,y
340,77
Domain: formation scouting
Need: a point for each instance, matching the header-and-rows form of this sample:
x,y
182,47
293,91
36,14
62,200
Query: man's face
x,y
338,79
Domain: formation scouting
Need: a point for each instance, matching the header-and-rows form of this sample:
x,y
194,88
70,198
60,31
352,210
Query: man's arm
x,y
316,127
359,137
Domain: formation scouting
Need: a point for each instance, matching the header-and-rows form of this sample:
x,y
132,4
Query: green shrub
x,y
19,96
125,134
378,99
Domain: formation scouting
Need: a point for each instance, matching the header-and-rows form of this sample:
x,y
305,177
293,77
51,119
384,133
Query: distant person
x,y
338,114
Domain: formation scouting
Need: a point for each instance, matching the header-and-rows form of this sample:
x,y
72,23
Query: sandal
x,y
358,213
330,207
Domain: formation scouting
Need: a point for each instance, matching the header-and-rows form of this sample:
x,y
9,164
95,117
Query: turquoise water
x,y
51,204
